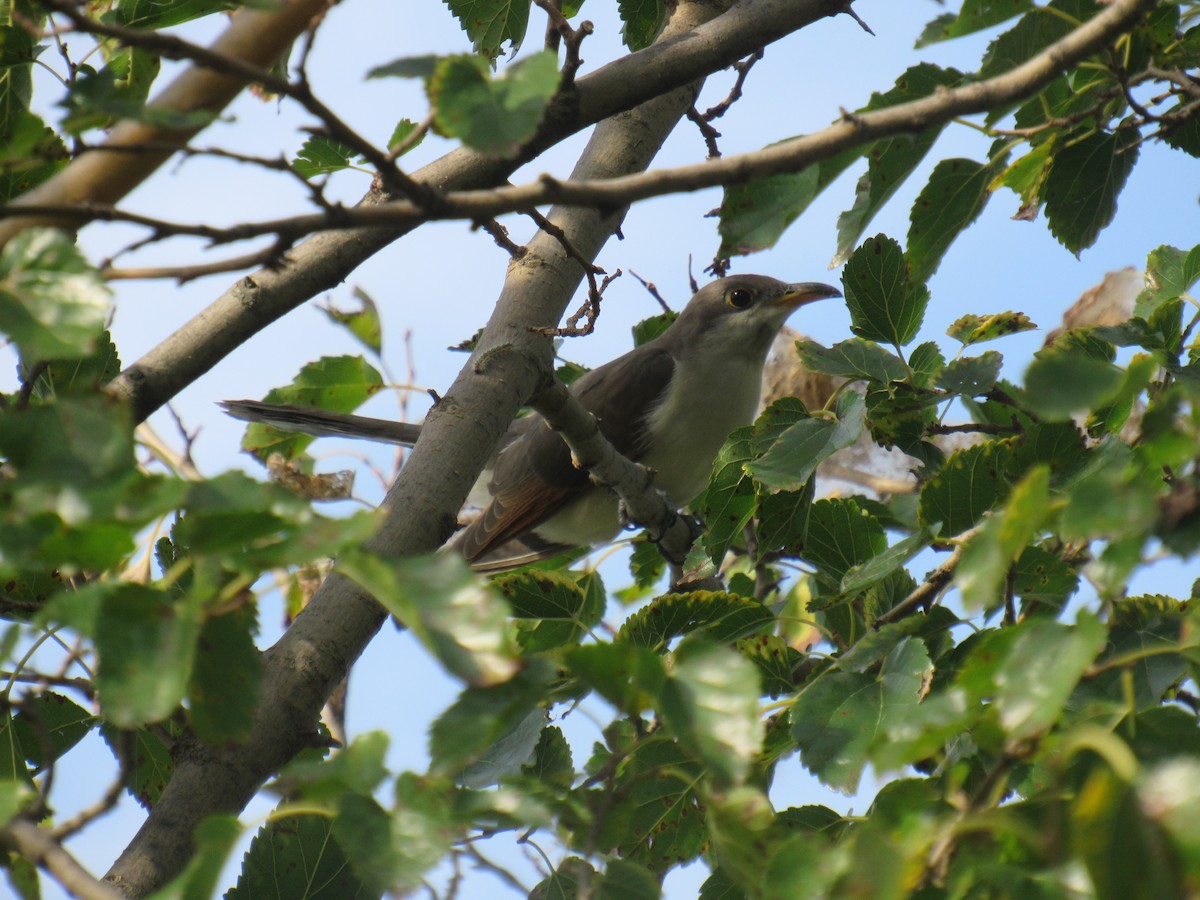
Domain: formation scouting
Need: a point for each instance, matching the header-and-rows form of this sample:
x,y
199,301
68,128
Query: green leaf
x,y
1035,31
81,375
165,13
626,675
782,520
225,686
878,567
776,661
1043,581
925,361
336,383
792,459
877,643
841,535
840,717
457,615
990,554
648,329
321,155
1059,384
48,725
953,198
119,91
710,703
885,305
729,502
551,763
53,303
656,817
970,483
488,722
1170,273
552,608
854,358
973,329
754,215
30,151
492,23
971,376
507,754
150,752
1041,669
891,161
1027,176
641,21
974,16
16,781
146,646
400,134
722,616
406,67
364,324
492,115
295,856
1108,497
1082,186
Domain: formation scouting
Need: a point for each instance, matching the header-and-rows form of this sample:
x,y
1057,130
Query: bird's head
x,y
743,313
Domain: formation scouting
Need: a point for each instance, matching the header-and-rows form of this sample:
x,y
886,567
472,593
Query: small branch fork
x,y
590,311
558,28
703,120
642,503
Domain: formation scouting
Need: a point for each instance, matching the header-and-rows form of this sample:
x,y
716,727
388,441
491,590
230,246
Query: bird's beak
x,y
805,292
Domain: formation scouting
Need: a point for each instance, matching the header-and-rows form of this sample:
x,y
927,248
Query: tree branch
x,y
38,847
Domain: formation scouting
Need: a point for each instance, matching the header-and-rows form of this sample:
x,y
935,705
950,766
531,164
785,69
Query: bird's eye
x,y
739,298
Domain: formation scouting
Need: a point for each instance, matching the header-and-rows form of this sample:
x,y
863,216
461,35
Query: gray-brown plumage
x,y
668,404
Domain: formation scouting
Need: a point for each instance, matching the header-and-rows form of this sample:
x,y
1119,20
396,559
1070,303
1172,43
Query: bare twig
x,y
709,133
40,848
270,257
500,235
935,582
591,307
652,290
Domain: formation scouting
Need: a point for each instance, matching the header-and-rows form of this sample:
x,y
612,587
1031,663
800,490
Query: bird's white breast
x,y
702,405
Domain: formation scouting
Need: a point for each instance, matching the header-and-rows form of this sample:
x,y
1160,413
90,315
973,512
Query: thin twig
x,y
37,846
652,289
500,235
935,582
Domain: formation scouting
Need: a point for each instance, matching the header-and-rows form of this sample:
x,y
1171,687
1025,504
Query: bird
x,y
668,404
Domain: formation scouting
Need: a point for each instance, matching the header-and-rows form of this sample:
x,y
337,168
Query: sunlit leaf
x,y
490,24
885,304
53,303
1082,186
953,198
710,703
492,115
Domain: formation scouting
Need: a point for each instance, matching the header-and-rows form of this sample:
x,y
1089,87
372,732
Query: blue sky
x,y
439,284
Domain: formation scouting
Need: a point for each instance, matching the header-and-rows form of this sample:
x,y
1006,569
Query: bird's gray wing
x,y
534,476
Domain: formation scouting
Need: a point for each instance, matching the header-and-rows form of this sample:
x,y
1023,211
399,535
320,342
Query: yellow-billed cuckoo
x,y
668,404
